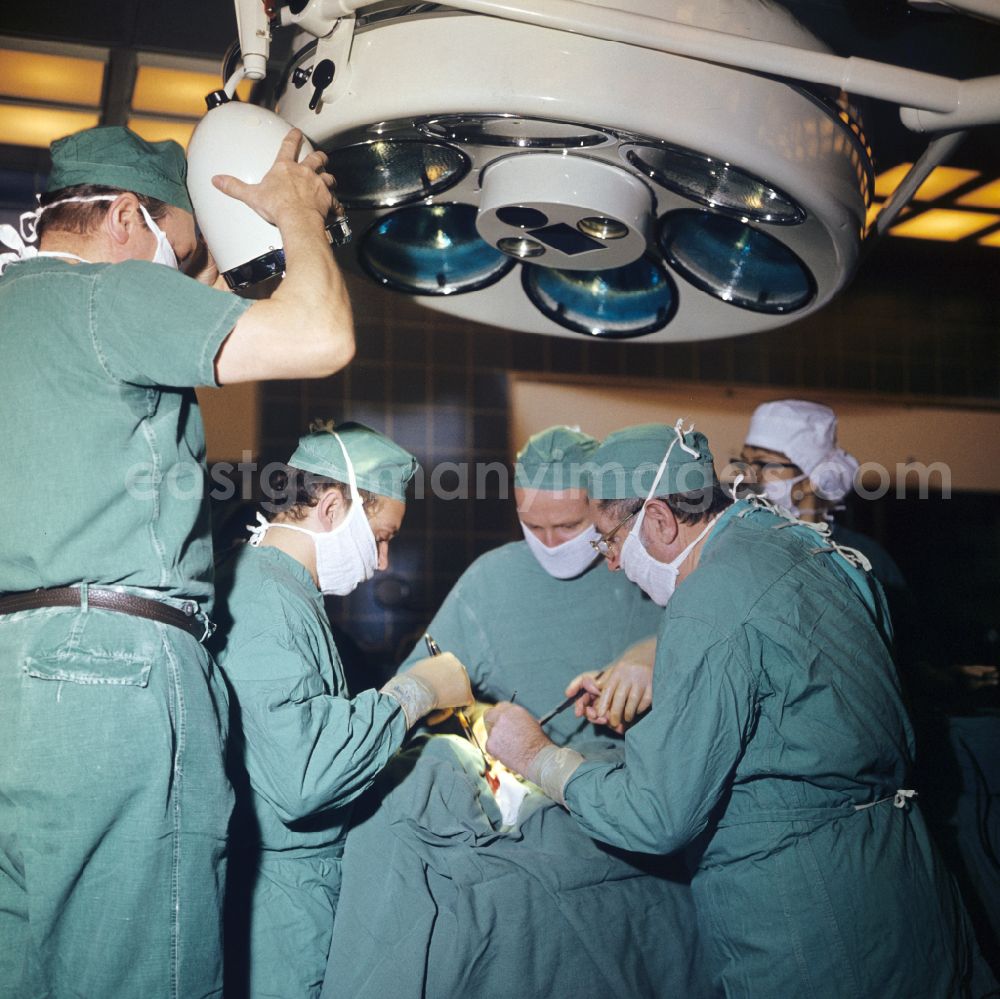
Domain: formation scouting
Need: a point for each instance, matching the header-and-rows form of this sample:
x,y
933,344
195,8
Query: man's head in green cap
x,y
655,492
551,494
345,480
112,196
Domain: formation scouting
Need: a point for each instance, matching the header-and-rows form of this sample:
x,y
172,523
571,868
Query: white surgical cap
x,y
806,432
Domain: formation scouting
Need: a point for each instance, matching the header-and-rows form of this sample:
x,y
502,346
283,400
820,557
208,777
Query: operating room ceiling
x,y
933,42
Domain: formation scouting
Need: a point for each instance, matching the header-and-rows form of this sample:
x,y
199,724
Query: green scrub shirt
x,y
517,629
302,752
776,720
113,798
101,427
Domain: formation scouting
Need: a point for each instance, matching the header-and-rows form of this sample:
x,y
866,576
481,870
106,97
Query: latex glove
x,y
626,692
448,678
430,684
622,691
515,738
640,654
439,717
587,687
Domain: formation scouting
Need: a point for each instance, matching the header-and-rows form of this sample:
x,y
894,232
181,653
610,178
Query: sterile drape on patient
x,y
439,899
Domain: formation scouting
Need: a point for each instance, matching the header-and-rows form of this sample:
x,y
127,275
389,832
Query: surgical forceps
x,y
435,650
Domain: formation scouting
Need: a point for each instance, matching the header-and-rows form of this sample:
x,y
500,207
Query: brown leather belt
x,y
112,600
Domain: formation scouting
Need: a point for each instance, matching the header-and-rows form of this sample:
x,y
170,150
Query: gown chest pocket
x,y
94,647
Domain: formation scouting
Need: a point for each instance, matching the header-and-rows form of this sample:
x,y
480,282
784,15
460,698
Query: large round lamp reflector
x,y
431,250
389,172
615,304
734,262
714,183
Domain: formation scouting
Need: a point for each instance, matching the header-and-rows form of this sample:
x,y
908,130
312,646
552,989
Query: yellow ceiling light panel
x,y
157,129
941,181
944,224
876,207
177,91
36,76
987,196
21,125
886,183
990,239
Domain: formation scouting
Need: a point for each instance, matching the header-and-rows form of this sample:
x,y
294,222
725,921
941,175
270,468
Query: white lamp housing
x,y
241,140
567,184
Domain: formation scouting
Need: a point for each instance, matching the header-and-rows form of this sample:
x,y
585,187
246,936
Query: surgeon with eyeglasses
x,y
777,752
530,616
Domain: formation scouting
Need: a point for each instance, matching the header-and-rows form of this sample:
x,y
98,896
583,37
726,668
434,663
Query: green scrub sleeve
x,y
307,749
680,758
168,333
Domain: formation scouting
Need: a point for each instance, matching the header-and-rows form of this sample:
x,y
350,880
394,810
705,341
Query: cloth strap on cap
x,y
902,798
22,242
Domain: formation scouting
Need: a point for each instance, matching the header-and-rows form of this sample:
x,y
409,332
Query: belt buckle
x,y
191,609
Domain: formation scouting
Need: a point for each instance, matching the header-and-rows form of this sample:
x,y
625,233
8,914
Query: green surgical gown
x,y
517,629
773,752
113,797
302,751
441,899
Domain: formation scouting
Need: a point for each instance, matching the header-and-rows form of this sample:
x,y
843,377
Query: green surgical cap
x,y
626,463
554,460
380,465
116,157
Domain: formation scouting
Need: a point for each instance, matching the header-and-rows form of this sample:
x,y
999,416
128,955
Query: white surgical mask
x,y
656,579
568,559
164,251
779,492
347,554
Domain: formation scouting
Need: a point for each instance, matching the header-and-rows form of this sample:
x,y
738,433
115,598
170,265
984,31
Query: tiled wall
x,y
438,386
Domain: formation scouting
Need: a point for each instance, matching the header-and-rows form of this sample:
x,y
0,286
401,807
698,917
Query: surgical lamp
x,y
655,169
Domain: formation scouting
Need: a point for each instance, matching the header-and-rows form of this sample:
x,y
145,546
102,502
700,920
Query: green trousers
x,y
114,807
279,920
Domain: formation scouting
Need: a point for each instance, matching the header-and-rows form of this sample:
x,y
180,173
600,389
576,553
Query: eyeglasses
x,y
605,543
757,465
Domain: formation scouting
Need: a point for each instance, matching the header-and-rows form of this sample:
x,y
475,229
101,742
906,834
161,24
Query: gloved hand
x,y
447,677
514,736
622,691
432,683
516,739
626,691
